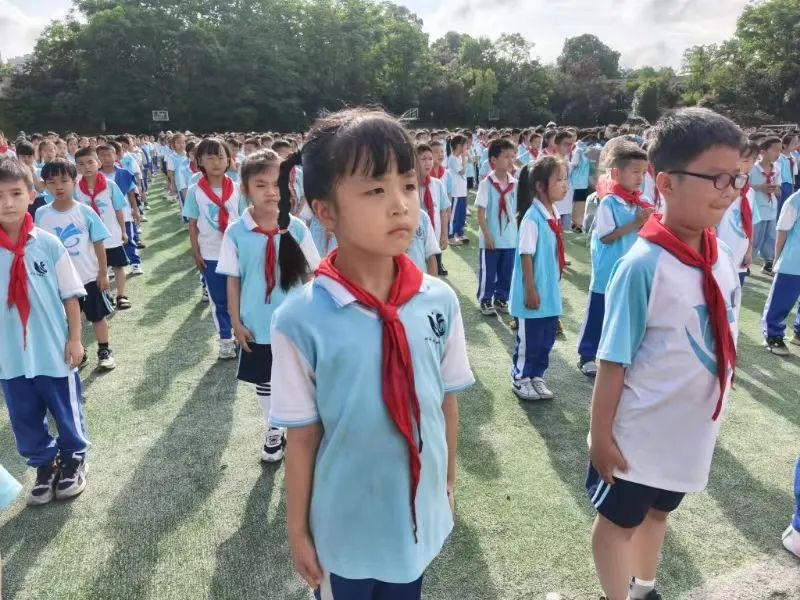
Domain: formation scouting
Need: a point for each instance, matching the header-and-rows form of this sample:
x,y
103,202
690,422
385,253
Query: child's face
x,y
377,217
60,186
565,146
179,143
557,185
72,146
249,149
92,143
696,203
47,153
438,155
215,165
107,159
771,154
746,163
792,145
88,165
27,159
61,150
262,191
15,196
425,162
284,152
536,142
505,161
630,176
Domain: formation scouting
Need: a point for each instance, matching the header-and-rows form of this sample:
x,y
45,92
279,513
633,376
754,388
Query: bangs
x,y
212,147
373,146
59,168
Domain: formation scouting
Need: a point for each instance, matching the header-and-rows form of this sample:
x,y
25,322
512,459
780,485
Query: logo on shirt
x,y
213,216
40,267
705,352
69,237
437,323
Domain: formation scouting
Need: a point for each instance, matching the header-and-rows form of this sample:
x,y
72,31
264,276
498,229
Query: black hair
x,y
787,139
84,152
212,146
750,148
423,147
435,143
190,146
12,170
252,142
123,139
455,141
496,147
768,142
281,144
679,138
25,149
106,148
530,176
624,153
561,136
58,168
548,135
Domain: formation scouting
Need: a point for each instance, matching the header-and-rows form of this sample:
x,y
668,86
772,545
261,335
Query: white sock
x,y
264,393
640,588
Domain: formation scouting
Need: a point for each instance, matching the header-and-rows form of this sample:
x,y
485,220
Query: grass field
x,y
178,505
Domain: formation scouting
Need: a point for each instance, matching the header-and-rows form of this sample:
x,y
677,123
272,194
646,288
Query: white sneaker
x,y
524,390
136,269
791,541
589,368
541,389
204,297
227,349
274,445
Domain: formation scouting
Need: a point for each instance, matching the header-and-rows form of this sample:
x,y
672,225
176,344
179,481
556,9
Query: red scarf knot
x,y
100,186
502,207
629,197
227,192
18,280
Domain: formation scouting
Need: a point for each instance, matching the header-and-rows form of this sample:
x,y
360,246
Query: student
x,y
787,164
211,204
434,201
580,172
497,239
785,289
409,329
424,250
533,147
736,227
438,170
41,343
538,264
257,252
5,150
107,154
667,353
564,144
457,172
72,148
107,200
617,221
82,233
174,159
765,180
791,536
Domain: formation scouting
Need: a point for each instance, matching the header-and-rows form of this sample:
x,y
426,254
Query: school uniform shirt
x,y
657,326
78,228
579,177
199,207
424,244
327,352
789,261
731,231
612,213
536,239
243,255
456,168
130,163
174,160
648,188
109,201
502,227
183,174
787,169
564,206
441,202
765,207
126,184
52,278
8,153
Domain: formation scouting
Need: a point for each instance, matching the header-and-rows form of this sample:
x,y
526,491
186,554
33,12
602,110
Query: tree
x,y
481,95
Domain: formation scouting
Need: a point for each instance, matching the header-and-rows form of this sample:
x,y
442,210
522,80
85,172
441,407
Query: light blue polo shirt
x,y
612,213
579,177
503,229
787,176
788,262
51,279
108,203
424,244
538,240
327,369
764,208
319,234
243,254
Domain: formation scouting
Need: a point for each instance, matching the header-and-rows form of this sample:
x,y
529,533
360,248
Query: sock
x,y
640,588
101,346
264,393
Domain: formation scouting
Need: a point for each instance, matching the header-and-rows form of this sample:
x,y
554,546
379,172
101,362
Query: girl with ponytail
x,y
264,254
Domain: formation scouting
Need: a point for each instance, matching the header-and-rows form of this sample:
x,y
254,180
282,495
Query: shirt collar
x,y
247,220
342,297
543,210
493,177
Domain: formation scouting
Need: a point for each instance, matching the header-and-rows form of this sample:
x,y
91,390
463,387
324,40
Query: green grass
x,y
178,505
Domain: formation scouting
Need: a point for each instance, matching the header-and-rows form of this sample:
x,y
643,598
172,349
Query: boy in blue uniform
x,y
41,343
765,179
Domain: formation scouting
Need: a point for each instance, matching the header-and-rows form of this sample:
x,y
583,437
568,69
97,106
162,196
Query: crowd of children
x,y
306,242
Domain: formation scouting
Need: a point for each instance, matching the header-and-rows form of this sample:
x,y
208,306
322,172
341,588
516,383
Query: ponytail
x,y
524,194
292,261
448,150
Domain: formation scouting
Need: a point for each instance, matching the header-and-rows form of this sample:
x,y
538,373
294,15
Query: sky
x,y
645,32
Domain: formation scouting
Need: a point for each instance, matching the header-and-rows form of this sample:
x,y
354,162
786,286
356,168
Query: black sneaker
x,y
42,491
442,272
500,306
274,445
777,346
73,477
487,309
767,268
140,246
105,359
653,595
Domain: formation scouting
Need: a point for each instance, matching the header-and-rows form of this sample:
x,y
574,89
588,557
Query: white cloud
x,y
19,28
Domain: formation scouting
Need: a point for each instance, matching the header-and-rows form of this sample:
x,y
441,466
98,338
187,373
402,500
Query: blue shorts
x,y
626,503
338,588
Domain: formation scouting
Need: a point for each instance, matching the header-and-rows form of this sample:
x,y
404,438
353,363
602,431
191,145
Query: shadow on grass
x,y
181,290
170,483
475,454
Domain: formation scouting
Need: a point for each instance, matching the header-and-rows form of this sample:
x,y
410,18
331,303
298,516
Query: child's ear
x,y
32,197
325,213
665,183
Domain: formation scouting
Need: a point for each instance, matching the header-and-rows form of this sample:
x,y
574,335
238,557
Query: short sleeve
x,y
294,386
118,201
482,197
604,219
228,261
788,216
69,284
528,237
309,250
455,369
190,208
444,200
97,230
627,299
431,244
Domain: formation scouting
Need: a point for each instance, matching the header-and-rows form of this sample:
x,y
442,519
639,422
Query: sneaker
x,y
795,339
541,388
524,390
136,269
72,480
143,218
204,297
653,595
500,306
487,309
227,349
777,346
442,272
140,246
84,360
464,240
588,368
274,445
791,541
105,359
123,303
514,325
42,490
767,268
568,263
455,242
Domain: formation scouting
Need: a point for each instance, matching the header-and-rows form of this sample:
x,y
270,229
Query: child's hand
x,y
606,457
748,258
102,282
242,336
306,563
124,238
488,241
199,262
532,300
443,243
73,353
643,215
451,498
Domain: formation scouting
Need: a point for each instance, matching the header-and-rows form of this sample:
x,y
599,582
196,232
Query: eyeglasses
x,y
721,181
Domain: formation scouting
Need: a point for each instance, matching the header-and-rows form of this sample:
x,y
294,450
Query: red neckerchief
x,y
561,254
656,193
18,280
3,149
746,212
193,166
270,259
534,152
427,198
724,347
100,186
227,192
629,197
438,172
768,175
397,369
502,205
